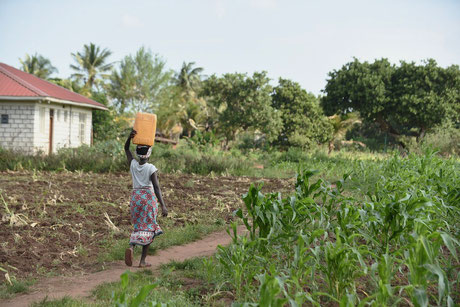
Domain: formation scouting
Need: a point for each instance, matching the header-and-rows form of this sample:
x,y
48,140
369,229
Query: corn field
x,y
393,243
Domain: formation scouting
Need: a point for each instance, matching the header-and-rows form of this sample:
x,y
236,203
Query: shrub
x,y
109,156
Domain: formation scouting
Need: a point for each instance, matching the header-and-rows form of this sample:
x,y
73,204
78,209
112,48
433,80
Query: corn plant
x,y
320,243
120,299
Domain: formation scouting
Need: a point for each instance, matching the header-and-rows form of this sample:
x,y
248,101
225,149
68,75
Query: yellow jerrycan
x,y
145,126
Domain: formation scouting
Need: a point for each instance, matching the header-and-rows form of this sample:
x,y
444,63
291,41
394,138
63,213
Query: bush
x,y
293,154
445,139
109,156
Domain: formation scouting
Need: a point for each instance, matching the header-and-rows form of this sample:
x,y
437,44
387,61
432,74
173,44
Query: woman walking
x,y
144,202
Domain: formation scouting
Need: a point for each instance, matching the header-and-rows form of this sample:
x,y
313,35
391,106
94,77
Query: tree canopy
x,y
37,65
243,103
91,65
303,121
139,81
408,99
373,102
189,78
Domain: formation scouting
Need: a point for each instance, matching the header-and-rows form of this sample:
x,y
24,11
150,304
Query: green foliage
x,y
37,65
137,85
242,103
109,156
8,290
304,123
122,300
136,288
104,125
371,135
188,78
204,139
325,242
72,85
408,99
91,66
66,301
445,138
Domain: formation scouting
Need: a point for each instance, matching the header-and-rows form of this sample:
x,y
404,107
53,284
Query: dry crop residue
x,y
56,223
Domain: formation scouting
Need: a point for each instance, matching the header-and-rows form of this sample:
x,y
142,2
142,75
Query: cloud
x,y
130,21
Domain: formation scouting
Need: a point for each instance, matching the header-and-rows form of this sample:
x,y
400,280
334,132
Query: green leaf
x,y
145,290
421,297
435,269
449,241
124,279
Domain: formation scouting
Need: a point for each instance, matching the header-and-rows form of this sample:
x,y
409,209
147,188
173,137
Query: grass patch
x,y
63,302
172,237
185,283
164,293
18,286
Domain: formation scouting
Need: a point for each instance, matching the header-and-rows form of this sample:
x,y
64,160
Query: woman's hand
x,y
132,134
164,211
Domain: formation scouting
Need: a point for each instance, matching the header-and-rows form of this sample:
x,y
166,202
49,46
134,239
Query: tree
x,y
405,101
243,103
104,127
304,123
191,110
341,124
69,84
138,83
424,96
188,78
37,65
91,65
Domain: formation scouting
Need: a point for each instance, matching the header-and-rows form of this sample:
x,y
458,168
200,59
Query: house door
x,y
51,131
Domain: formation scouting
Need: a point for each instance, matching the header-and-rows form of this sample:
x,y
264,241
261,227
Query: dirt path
x,y
81,286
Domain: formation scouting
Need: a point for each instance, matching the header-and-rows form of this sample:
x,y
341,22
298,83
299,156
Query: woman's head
x,y
143,151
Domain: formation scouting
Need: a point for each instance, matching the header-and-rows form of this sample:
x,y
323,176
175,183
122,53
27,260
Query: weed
x,y
17,286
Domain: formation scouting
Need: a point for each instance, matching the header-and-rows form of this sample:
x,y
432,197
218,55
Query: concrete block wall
x,y
75,115
28,127
18,133
41,128
62,127
66,129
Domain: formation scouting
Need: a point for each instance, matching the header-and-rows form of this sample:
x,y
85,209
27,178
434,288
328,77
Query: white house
x,y
37,115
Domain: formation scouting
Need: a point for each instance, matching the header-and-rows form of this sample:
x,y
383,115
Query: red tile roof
x,y
14,82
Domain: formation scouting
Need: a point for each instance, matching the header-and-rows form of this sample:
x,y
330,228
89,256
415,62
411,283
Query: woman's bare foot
x,y
144,265
129,255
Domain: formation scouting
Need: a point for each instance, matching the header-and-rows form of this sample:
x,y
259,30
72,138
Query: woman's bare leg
x,y
145,249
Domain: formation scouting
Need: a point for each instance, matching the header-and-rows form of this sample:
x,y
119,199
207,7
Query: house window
x,y
4,118
42,120
65,116
58,115
82,127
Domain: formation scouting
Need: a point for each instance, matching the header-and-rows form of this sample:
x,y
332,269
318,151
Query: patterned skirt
x,y
144,210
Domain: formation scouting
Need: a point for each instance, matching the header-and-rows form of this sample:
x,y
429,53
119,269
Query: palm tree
x,y
188,79
341,125
38,66
91,64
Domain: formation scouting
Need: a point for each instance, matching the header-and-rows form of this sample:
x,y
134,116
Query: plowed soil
x,y
53,223
81,286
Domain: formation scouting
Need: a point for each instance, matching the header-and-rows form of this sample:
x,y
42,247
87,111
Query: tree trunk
x,y
421,134
385,126
331,147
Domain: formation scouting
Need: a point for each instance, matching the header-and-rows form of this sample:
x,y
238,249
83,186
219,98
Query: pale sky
x,y
294,39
